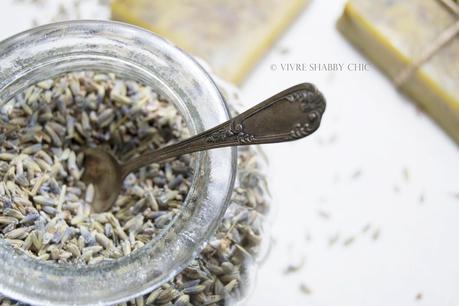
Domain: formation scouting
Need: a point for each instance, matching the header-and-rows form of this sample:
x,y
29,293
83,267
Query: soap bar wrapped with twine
x,y
416,43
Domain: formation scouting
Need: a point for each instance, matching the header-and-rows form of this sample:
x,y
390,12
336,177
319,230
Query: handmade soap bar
x,y
393,34
230,35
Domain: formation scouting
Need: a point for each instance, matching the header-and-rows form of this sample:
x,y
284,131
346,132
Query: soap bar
x,y
393,34
229,35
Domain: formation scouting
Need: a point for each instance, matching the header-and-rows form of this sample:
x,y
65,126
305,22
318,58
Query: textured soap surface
x,y
394,33
230,35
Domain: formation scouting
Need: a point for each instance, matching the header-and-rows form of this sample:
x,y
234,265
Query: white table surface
x,y
376,161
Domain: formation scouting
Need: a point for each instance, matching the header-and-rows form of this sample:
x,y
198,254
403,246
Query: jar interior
x,y
125,72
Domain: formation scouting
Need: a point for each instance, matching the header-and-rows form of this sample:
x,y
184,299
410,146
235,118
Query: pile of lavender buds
x,y
45,207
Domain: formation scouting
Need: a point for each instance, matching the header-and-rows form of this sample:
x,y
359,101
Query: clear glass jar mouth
x,y
131,52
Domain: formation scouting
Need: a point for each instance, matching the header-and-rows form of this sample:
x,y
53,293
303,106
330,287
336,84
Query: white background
x,y
376,163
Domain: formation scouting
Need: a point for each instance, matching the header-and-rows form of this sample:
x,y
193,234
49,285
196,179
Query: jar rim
x,y
26,58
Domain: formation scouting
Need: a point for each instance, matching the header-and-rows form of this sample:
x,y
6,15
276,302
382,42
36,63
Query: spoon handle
x,y
289,115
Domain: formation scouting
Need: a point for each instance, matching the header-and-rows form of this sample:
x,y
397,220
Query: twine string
x,y
443,39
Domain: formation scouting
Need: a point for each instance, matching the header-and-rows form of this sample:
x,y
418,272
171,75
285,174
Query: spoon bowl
x,y
103,171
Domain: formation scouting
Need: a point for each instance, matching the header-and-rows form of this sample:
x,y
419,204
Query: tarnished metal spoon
x,y
289,115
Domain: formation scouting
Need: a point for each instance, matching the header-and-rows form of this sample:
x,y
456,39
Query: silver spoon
x,y
291,114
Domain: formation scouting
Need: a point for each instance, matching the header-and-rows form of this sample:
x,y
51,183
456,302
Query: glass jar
x,y
135,54
132,53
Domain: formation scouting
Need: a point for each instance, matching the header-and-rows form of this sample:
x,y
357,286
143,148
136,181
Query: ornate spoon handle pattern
x,y
291,114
